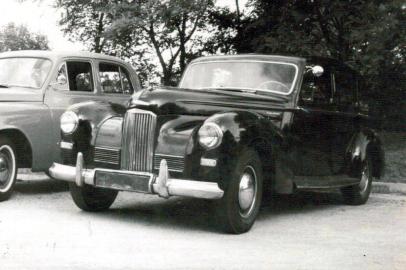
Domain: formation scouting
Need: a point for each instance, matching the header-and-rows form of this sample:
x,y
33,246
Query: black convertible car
x,y
235,127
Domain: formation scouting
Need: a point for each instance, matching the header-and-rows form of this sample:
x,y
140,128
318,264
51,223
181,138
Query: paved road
x,y
41,228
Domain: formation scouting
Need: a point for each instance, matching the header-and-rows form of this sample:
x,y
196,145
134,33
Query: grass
x,y
395,157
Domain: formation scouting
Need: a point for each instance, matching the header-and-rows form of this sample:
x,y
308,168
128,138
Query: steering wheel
x,y
263,84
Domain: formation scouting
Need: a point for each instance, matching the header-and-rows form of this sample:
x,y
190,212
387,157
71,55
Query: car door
x,y
115,82
77,83
345,96
314,130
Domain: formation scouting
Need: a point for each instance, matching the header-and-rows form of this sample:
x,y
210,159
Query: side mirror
x,y
317,71
60,80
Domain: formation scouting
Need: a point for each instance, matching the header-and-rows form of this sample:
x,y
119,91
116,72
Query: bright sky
x,y
40,16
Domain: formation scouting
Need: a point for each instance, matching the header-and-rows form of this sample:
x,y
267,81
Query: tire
x,y
8,168
359,194
92,199
238,209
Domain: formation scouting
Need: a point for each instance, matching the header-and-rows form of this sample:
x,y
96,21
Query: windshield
x,y
245,75
24,72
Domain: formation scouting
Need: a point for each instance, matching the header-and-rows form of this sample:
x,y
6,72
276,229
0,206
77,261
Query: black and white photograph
x,y
202,134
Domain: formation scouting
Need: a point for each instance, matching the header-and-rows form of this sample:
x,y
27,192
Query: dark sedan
x,y
236,126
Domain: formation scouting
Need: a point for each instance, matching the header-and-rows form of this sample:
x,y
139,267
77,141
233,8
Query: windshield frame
x,y
245,88
32,57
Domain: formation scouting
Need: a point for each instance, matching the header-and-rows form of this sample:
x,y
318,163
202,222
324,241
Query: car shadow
x,y
40,186
193,214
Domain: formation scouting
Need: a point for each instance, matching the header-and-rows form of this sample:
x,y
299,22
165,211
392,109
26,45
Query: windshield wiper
x,y
4,86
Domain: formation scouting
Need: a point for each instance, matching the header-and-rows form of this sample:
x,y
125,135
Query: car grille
x,y
175,163
138,140
107,155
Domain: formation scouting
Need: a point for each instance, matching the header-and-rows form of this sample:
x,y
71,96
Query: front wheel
x,y
8,168
92,199
359,194
239,207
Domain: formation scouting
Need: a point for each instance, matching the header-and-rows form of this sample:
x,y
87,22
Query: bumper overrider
x,y
144,182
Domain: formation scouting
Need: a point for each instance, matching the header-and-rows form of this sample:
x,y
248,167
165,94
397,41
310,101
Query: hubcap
x,y
7,167
365,178
247,191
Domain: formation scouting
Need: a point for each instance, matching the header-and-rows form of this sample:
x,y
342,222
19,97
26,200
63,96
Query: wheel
x,y
92,199
237,210
359,194
8,168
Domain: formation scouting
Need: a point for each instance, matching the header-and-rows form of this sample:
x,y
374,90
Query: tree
x,y
168,28
15,38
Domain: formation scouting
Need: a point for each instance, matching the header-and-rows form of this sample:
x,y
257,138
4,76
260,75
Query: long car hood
x,y
15,94
179,101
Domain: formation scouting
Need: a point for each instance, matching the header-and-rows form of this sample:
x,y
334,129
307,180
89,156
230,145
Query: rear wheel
x,y
92,199
8,168
359,194
239,207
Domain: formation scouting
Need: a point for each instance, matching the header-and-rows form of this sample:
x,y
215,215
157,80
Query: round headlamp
x,y
210,135
69,122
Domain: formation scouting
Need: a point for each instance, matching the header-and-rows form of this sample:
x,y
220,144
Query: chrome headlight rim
x,y
219,135
69,118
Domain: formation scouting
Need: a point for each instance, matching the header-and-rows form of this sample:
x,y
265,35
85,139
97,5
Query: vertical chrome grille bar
x,y
138,140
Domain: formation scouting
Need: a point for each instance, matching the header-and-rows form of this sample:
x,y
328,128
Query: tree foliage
x,y
144,29
168,28
18,37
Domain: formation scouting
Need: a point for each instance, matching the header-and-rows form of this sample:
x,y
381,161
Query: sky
x,y
41,17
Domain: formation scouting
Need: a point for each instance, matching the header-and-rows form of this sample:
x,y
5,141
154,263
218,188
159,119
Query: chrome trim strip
x,y
66,145
165,155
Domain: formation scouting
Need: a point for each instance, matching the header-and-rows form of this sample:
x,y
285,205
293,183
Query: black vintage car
x,y
235,127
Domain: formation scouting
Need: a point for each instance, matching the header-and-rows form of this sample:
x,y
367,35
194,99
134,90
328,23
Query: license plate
x,y
123,181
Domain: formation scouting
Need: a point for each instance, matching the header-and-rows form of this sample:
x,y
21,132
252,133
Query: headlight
x,y
210,135
69,122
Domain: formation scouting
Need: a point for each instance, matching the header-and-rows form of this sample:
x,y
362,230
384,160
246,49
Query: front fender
x,y
91,116
241,129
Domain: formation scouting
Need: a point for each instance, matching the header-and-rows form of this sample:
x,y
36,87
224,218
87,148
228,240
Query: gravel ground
x,y
41,228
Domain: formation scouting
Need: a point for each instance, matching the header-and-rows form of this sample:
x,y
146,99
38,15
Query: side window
x,y
316,91
80,76
346,88
114,79
127,86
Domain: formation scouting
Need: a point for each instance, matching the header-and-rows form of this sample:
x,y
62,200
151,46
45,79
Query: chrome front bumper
x,y
160,184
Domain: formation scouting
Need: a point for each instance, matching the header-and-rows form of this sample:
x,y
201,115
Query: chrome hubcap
x,y
365,178
247,191
7,167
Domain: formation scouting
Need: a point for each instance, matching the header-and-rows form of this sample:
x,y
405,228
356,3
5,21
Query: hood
x,y
15,94
178,101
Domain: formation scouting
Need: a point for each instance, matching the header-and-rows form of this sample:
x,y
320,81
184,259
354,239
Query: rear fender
x,y
365,143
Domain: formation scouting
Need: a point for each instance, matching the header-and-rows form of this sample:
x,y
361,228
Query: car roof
x,y
53,55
